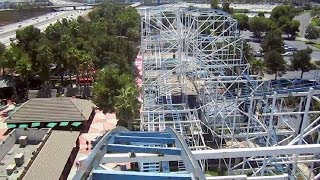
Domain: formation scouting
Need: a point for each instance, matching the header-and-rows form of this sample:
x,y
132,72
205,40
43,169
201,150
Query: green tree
x,y
259,25
23,67
127,105
214,4
280,11
9,61
312,32
301,60
272,41
260,14
257,66
283,17
274,63
242,21
45,57
226,7
291,27
28,39
247,49
114,91
76,58
128,19
108,84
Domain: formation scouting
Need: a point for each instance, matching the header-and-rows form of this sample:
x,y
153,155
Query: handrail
x,y
191,164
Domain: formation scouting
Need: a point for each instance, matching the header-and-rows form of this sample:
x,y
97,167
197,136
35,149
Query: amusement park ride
x,y
203,110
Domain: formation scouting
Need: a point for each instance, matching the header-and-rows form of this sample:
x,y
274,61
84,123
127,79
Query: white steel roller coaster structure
x,y
195,79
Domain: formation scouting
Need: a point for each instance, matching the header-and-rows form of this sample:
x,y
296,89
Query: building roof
x,y
52,110
50,162
10,147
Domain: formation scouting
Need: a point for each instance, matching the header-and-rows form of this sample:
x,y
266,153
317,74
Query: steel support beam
x,y
216,154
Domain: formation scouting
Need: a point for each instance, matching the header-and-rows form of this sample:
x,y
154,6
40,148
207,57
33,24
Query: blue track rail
x,y
122,141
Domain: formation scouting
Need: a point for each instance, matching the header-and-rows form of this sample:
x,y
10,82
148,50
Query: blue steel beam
x,y
129,139
146,134
124,175
120,148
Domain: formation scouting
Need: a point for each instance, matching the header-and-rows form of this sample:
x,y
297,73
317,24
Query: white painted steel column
x,y
270,126
304,125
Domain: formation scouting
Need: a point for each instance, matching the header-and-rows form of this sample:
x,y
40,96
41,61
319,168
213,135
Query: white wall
x,y
34,135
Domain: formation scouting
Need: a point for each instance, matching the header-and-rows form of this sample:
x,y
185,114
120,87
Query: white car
x,y
287,54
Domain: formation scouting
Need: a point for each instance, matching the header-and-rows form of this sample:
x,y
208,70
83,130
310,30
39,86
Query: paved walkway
x,y
304,19
101,123
3,128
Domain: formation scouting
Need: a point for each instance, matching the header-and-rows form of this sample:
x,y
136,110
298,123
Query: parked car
x,y
287,54
289,48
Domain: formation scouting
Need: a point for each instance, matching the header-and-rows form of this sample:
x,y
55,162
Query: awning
x,y
76,124
35,124
51,125
23,125
63,124
10,126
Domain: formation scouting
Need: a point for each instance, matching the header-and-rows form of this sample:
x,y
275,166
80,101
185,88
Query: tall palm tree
x,y
126,105
257,67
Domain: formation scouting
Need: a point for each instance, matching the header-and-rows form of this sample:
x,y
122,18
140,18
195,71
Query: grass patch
x,y
313,44
216,172
12,16
212,173
315,22
316,45
309,42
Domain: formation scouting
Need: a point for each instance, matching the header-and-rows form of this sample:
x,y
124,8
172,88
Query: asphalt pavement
x,y
304,20
41,22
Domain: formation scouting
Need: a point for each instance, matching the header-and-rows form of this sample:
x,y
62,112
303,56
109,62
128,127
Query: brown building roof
x,y
52,110
50,162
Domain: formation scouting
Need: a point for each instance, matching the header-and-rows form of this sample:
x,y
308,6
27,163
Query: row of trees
x,y
281,17
106,42
270,30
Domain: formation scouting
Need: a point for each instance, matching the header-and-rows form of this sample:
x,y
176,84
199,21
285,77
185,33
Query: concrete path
x,y
304,20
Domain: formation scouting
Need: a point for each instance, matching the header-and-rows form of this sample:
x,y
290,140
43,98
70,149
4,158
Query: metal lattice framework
x,y
196,80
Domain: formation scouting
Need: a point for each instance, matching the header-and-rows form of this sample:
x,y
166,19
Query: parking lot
x,y
296,44
313,74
